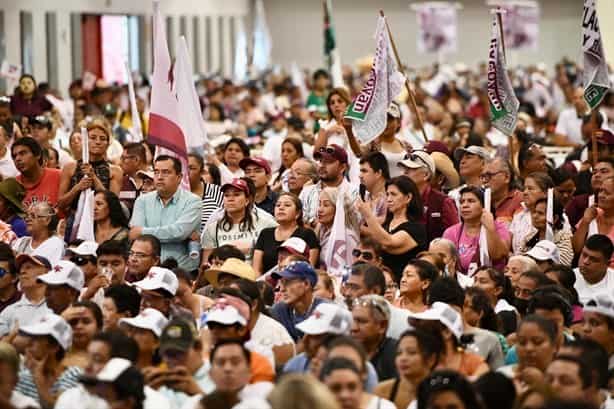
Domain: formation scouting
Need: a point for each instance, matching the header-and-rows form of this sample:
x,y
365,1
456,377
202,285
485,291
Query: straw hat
x,y
444,165
232,266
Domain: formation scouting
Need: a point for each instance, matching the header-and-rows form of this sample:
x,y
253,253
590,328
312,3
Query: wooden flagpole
x,y
412,98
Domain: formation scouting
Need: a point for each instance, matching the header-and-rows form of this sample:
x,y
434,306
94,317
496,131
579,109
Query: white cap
x,y
52,325
601,304
419,159
545,250
327,318
150,319
159,278
113,369
296,245
474,150
226,315
64,273
86,248
443,313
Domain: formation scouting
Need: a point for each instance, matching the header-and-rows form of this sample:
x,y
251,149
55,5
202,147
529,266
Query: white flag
x,y
136,132
340,244
262,40
483,240
83,223
368,110
595,78
240,69
437,28
550,215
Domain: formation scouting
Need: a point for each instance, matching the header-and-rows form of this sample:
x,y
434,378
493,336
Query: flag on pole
x,y
596,80
503,102
136,131
340,244
368,110
331,52
83,223
240,69
550,215
483,240
261,59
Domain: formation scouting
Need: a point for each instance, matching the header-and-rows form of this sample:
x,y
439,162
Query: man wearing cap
x,y
545,253
84,256
296,283
146,329
41,132
439,210
446,177
498,175
32,305
332,163
63,284
259,171
184,373
231,271
371,316
158,289
41,184
598,322
42,377
471,166
171,214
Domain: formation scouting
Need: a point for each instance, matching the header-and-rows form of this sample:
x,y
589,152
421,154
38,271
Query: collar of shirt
x,y
26,301
173,200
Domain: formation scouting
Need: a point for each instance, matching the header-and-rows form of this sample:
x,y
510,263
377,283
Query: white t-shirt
x,y
21,401
398,322
380,403
271,150
570,125
270,332
226,175
587,291
7,167
52,248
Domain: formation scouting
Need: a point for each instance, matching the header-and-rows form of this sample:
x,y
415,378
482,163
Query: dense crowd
x,y
473,273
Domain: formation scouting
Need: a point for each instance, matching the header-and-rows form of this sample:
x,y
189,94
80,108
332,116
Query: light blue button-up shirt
x,y
172,223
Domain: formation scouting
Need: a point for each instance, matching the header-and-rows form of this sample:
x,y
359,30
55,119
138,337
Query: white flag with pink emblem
x,y
340,243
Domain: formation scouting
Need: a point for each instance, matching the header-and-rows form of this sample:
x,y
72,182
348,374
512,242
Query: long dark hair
x,y
500,280
481,303
116,211
241,143
407,186
247,224
298,147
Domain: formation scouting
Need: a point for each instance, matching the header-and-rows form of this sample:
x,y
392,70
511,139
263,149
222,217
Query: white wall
x,y
296,27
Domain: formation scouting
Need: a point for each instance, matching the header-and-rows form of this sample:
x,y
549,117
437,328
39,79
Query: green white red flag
x,y
368,110
596,80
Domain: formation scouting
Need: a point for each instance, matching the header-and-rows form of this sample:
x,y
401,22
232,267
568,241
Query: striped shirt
x,y
212,199
68,379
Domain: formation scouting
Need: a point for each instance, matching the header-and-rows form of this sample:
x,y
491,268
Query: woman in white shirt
x,y
41,223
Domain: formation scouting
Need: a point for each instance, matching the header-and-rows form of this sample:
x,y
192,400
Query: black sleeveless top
x,y
102,169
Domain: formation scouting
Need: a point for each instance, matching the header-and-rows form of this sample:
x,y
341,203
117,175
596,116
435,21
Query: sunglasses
x,y
365,255
81,261
413,157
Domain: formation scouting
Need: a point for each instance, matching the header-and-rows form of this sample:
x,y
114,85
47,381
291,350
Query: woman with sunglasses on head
x,y
401,236
536,187
41,223
466,234
110,222
98,173
418,354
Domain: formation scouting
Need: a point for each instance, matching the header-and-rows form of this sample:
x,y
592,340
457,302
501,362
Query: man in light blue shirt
x,y
170,213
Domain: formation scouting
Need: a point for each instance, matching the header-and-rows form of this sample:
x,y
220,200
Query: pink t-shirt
x,y
468,245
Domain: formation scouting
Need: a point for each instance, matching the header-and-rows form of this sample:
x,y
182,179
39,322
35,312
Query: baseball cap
x,y
331,151
602,303
150,319
178,334
64,273
443,313
42,120
159,278
86,248
260,162
225,315
473,150
418,159
437,146
238,184
232,266
53,325
122,374
444,165
40,260
545,250
295,245
604,137
327,318
146,173
394,110
298,269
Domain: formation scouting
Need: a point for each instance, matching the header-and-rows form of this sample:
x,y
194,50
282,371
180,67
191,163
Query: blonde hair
x,y
97,122
351,220
301,391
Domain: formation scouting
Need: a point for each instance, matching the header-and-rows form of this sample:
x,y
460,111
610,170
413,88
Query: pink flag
x,y
338,254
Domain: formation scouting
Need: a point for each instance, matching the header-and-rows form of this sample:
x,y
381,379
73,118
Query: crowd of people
x,y
476,269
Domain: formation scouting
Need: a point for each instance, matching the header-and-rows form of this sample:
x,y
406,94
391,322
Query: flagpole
x,y
412,98
499,11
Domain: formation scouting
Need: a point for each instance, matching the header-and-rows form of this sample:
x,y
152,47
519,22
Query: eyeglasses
x,y
127,157
440,380
163,172
365,255
81,261
33,216
138,255
489,175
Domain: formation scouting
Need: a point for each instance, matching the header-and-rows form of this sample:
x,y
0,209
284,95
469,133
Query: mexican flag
x,y
368,110
502,100
331,52
596,81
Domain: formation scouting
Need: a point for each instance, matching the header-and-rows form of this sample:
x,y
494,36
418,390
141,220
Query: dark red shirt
x,y
439,212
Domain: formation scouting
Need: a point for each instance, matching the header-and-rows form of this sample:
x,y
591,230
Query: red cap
x,y
238,184
332,151
604,137
260,162
437,146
